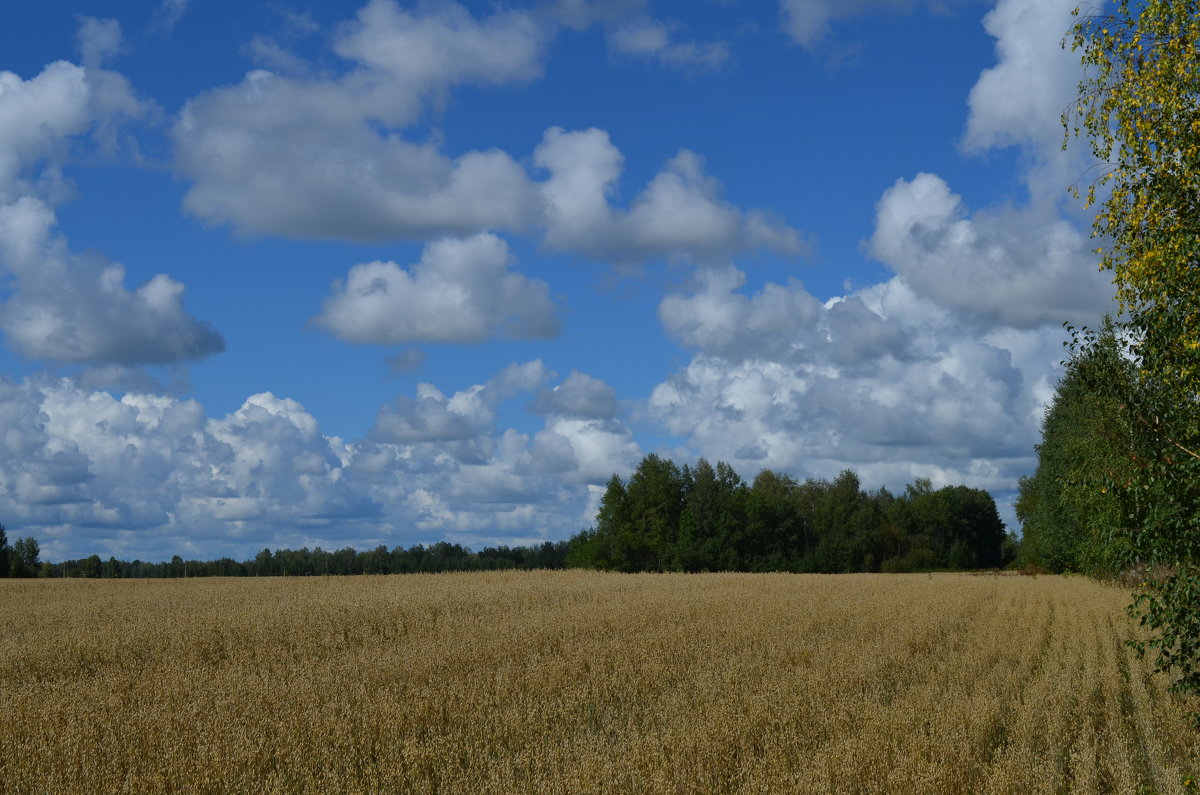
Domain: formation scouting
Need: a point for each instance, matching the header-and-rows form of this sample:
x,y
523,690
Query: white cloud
x,y
442,45
94,318
77,309
943,370
466,415
37,116
59,305
1011,267
1020,99
249,148
580,396
433,417
893,387
650,40
780,324
461,291
149,476
155,467
63,106
449,448
579,450
679,213
772,324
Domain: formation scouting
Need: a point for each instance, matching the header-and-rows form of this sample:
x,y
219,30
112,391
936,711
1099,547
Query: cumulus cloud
x,y
580,396
449,447
37,116
779,323
441,45
465,415
71,308
586,451
769,325
442,458
249,148
1019,101
461,291
1012,267
433,417
943,370
127,475
88,315
149,475
679,213
651,40
59,305
895,387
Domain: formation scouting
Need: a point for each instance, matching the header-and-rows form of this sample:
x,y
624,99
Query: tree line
x,y
21,559
706,518
440,557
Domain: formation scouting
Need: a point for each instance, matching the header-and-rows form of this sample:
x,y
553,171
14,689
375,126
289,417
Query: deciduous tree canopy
x,y
1140,110
706,518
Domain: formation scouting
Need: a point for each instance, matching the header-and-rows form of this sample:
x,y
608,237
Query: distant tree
x,y
773,528
5,553
654,502
975,533
24,556
846,523
90,566
596,549
263,563
712,518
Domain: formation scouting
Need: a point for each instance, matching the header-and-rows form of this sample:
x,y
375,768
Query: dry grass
x,y
577,682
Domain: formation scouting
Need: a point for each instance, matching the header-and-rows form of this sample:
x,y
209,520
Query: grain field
x,y
582,682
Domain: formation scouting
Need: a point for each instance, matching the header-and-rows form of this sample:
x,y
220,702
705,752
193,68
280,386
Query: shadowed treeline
x,y
706,518
438,557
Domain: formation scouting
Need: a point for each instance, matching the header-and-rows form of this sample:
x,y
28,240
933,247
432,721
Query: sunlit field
x,y
578,682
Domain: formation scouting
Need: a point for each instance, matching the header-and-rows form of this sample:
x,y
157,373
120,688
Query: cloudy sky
x,y
280,273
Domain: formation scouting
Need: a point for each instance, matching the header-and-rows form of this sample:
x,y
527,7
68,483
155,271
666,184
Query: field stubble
x,y
575,682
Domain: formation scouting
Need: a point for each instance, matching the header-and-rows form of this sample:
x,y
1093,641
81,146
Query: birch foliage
x,y
1139,108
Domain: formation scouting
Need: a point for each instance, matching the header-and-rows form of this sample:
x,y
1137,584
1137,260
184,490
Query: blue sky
x,y
283,274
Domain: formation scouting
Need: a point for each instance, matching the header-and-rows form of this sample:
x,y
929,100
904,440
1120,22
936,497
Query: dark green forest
x,y
305,562
706,518
1076,510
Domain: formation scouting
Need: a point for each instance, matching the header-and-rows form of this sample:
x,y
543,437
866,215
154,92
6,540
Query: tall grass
x,y
581,682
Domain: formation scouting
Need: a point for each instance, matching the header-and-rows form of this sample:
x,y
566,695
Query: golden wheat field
x,y
582,682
